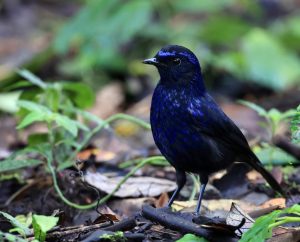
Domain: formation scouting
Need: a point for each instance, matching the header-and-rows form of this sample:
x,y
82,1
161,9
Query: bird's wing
x,y
211,121
208,119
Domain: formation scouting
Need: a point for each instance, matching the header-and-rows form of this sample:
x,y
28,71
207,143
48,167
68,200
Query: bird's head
x,y
176,64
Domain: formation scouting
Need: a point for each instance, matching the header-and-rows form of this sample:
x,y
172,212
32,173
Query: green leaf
x,y
10,164
260,229
42,224
261,111
32,106
32,78
295,126
81,126
67,124
11,238
288,114
287,30
52,95
16,223
116,236
31,118
268,62
191,238
37,138
8,101
43,149
203,6
80,93
229,29
271,155
89,116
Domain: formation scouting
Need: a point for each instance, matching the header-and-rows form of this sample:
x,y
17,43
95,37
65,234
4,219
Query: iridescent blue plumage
x,y
188,127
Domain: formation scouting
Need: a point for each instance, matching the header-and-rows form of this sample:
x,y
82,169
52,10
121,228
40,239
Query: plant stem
x,y
87,138
108,196
284,220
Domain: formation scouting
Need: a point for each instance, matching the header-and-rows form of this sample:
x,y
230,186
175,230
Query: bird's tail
x,y
257,165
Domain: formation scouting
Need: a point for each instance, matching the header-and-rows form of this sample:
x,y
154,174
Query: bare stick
x,y
177,223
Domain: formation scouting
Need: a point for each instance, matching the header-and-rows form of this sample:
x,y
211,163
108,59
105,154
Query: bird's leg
x,y
203,180
180,180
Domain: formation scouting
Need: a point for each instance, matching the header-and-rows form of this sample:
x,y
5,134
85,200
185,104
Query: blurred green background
x,y
238,42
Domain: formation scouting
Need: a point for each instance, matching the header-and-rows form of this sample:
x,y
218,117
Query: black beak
x,y
151,61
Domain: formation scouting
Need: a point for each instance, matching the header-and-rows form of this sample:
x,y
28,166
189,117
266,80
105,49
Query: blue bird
x,y
189,128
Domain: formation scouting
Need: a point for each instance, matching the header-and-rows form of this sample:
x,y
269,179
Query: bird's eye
x,y
177,61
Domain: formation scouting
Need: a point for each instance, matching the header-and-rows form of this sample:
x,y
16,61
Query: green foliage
x,y
13,164
191,238
271,155
263,59
115,237
8,101
61,143
273,117
109,26
113,35
19,227
57,106
268,61
60,94
295,126
11,238
263,226
42,224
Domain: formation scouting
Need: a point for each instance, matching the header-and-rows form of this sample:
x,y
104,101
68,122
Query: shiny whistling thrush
x,y
189,128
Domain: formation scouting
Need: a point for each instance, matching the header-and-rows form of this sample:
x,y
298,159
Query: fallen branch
x,y
177,223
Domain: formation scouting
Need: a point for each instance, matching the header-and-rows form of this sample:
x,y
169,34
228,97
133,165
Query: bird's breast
x,y
176,121
170,121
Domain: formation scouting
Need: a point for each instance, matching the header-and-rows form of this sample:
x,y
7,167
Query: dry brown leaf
x,y
133,187
235,217
129,206
280,202
254,176
162,200
100,155
109,98
214,204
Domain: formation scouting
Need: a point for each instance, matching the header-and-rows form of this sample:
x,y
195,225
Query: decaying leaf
x,y
236,216
213,205
100,155
133,187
